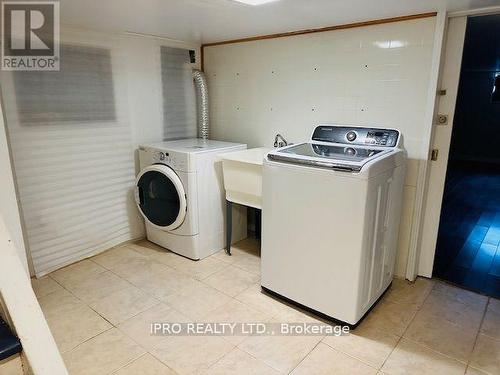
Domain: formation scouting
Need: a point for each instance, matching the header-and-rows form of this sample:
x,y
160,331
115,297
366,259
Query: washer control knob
x,y
350,151
162,156
351,136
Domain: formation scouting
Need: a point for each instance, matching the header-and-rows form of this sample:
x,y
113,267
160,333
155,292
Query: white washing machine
x,y
331,211
180,194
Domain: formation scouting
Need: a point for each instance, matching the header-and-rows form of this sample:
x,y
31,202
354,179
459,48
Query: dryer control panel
x,y
162,157
172,159
356,136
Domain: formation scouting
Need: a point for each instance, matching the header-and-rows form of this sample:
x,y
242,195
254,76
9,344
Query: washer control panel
x,y
356,136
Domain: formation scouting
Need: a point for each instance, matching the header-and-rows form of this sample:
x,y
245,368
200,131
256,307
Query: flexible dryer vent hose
x,y
201,86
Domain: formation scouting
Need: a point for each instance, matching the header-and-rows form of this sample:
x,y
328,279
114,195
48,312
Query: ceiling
x,y
205,21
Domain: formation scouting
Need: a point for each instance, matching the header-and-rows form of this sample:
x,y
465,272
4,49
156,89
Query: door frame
x,y
425,233
423,169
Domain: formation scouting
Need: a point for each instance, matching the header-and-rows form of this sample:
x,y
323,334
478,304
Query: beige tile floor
x,y
100,311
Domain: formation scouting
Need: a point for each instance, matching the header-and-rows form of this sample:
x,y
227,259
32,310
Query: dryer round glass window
x,y
160,197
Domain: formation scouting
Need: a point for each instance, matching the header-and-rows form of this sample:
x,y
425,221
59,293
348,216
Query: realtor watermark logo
x,y
30,35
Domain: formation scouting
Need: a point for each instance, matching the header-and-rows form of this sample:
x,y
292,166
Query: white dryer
x,y
180,194
331,211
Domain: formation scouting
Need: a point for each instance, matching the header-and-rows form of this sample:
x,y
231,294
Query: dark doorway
x,y
468,252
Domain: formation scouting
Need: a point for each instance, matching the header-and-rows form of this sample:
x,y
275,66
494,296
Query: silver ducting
x,y
201,86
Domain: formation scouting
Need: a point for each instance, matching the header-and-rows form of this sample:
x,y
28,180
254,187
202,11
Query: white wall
x,y
374,76
9,209
76,178
145,86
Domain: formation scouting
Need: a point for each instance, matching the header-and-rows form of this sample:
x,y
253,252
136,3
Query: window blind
x,y
73,155
179,98
81,91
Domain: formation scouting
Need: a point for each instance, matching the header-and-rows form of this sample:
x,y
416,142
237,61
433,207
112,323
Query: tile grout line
x,y
350,355
423,345
359,359
307,355
112,324
155,297
271,316
435,351
159,360
477,335
227,263
84,303
106,269
121,278
234,298
90,338
135,286
128,363
392,351
131,360
402,334
236,347
191,320
150,352
222,291
202,280
243,349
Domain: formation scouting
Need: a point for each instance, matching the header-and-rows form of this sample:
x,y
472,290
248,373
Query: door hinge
x,y
434,154
442,92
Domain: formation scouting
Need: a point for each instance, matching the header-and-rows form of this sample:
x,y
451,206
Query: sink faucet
x,y
280,141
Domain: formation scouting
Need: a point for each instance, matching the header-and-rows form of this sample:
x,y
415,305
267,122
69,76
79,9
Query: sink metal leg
x,y
229,225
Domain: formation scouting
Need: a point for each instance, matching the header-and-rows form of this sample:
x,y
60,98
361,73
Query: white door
x,y
442,139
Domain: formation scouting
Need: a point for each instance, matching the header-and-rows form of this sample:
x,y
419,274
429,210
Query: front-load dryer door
x,y
161,198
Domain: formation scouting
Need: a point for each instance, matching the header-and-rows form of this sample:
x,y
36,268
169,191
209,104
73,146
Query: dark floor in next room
x,y
468,252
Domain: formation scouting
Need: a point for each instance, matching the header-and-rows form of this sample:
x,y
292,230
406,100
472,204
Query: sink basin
x,y
243,176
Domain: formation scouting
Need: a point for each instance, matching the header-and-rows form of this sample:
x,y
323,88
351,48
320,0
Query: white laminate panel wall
x,y
76,174
373,76
74,166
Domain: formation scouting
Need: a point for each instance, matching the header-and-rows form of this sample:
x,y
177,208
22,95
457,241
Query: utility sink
x,y
243,176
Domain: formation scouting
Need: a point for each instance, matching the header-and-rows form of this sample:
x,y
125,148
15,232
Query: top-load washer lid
x,y
344,158
340,147
328,152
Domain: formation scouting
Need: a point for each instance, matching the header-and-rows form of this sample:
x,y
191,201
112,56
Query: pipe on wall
x,y
201,86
